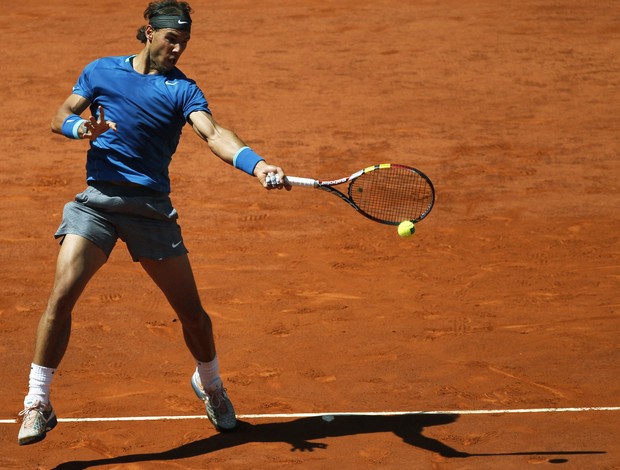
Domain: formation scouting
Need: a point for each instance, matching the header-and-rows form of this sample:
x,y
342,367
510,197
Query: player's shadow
x,y
304,435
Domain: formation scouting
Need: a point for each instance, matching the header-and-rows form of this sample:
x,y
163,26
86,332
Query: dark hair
x,y
163,7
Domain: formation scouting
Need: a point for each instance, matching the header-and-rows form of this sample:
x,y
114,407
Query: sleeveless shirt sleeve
x,y
83,86
194,100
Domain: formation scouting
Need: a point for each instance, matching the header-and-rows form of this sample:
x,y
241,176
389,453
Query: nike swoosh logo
x,y
174,245
173,83
182,22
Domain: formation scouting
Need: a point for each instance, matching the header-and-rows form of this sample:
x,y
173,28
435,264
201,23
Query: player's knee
x,y
57,312
62,300
195,319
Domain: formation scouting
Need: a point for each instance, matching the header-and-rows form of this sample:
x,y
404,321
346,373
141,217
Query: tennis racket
x,y
386,193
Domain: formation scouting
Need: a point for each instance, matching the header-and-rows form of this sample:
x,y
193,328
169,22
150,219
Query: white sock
x,y
209,373
40,381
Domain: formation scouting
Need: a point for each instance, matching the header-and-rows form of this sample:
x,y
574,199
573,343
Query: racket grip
x,y
305,182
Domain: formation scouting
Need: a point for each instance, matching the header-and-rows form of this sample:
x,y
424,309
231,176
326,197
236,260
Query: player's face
x,y
167,45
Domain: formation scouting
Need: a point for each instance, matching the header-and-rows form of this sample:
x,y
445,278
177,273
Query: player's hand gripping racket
x,y
386,193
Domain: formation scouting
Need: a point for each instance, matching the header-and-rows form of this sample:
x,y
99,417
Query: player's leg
x,y
78,260
175,278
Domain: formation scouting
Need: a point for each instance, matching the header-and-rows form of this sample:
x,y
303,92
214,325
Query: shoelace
x,y
25,414
216,397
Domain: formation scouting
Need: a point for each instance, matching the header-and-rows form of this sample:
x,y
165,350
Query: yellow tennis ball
x,y
406,228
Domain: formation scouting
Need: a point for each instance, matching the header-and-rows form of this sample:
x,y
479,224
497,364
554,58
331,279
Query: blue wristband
x,y
71,126
246,160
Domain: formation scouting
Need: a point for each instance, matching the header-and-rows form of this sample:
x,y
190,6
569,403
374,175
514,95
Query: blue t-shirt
x,y
149,112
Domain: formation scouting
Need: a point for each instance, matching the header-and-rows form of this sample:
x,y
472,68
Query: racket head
x,y
390,193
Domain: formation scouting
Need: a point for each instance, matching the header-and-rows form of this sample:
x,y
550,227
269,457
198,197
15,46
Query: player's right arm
x,y
76,105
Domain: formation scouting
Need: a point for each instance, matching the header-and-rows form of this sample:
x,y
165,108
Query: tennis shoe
x,y
37,419
220,410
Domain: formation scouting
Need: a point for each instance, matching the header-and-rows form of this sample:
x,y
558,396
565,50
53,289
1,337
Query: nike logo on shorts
x,y
174,245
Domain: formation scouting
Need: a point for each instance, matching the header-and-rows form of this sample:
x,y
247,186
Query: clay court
x,y
488,340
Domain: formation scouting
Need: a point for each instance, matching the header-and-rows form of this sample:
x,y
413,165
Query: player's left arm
x,y
225,144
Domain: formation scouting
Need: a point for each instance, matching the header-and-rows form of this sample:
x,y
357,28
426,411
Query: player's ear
x,y
149,32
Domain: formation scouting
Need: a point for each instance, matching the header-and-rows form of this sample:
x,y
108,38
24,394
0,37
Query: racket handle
x,y
305,182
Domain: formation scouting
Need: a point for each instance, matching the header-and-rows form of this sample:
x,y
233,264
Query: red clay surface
x,y
506,298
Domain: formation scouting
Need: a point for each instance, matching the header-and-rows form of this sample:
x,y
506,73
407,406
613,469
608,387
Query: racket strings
x,y
392,194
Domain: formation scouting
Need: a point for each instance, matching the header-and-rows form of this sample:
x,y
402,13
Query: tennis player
x,y
138,105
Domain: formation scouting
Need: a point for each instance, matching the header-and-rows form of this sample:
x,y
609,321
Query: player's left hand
x,y
271,176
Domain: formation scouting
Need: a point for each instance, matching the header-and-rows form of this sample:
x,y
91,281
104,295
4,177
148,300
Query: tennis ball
x,y
406,228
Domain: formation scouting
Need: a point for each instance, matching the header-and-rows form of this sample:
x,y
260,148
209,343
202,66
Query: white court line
x,y
314,415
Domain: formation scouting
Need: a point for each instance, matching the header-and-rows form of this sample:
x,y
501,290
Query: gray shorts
x,y
144,219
